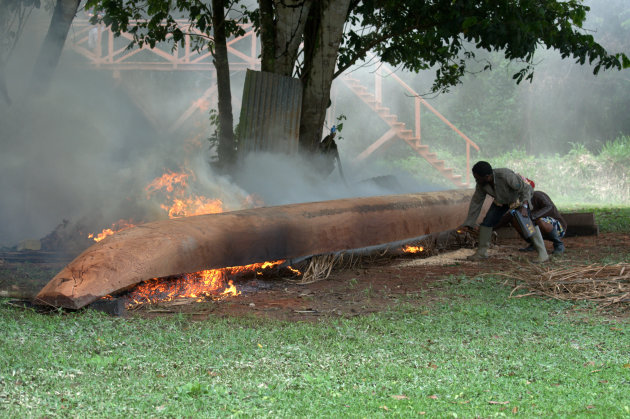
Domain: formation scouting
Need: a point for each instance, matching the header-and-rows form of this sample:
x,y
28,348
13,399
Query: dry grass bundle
x,y
605,285
320,266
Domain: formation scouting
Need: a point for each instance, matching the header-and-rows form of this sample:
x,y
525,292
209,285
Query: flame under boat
x,y
171,247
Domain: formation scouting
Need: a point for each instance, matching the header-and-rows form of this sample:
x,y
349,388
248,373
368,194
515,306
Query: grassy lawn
x,y
477,353
473,353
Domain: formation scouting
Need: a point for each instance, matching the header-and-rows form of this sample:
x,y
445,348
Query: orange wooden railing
x,y
419,101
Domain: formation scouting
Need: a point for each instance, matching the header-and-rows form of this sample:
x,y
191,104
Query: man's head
x,y
482,171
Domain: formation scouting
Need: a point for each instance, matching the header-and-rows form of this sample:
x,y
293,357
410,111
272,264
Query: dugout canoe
x,y
184,245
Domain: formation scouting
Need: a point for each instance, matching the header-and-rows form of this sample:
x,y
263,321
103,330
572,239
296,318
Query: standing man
x,y
330,154
510,192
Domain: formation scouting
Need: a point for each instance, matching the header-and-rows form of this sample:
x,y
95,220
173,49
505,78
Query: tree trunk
x,y
290,25
48,58
282,25
267,36
323,35
4,92
226,148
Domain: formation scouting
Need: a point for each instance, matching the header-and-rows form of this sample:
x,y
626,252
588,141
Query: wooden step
x,y
439,164
366,96
420,148
407,134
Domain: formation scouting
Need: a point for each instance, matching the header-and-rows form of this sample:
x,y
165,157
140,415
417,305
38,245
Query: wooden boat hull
x,y
191,244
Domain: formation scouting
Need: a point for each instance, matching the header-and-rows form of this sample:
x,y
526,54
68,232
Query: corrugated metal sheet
x,y
270,114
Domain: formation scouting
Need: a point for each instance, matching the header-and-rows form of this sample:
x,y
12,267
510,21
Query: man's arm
x,y
542,206
523,189
476,202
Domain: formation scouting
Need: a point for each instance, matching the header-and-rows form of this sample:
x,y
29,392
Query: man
x,y
509,191
551,223
330,154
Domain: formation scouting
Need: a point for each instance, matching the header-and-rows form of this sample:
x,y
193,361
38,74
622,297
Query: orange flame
x,y
199,285
295,271
180,201
119,225
231,289
413,249
193,206
166,181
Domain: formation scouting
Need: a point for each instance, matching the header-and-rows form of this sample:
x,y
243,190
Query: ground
x,y
379,284
370,286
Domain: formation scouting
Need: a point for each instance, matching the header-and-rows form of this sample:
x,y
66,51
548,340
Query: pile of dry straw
x,y
605,285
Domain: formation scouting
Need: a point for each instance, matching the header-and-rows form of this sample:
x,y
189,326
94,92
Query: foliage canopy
x,y
418,35
415,35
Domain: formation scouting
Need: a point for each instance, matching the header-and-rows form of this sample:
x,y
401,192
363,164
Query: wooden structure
x,y
398,129
103,51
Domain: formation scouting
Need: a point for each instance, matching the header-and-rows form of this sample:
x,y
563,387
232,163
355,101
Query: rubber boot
x,y
529,248
485,233
539,245
558,245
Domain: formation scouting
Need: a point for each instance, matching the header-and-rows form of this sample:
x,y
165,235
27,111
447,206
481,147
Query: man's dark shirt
x,y
543,206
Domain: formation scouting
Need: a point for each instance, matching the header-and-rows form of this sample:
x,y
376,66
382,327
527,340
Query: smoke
x,y
564,105
86,149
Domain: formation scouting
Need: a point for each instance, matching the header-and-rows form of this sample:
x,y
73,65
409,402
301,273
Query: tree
x,y
226,148
413,34
417,35
156,21
13,17
49,54
319,24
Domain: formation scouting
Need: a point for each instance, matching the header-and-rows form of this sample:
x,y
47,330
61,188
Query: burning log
x,y
170,247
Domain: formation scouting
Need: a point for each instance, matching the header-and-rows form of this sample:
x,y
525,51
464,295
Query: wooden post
x,y
418,134
378,86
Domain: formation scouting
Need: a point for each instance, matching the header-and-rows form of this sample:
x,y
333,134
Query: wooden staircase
x,y
399,130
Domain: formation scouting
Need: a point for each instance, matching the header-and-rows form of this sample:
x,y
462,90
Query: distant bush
x,y
577,177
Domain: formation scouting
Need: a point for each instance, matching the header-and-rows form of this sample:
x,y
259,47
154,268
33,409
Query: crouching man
x,y
547,217
510,192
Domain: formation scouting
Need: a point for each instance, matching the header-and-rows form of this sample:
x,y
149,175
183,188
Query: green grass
x,y
475,353
578,176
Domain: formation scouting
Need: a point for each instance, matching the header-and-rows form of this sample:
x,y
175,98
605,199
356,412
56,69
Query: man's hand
x,y
515,204
465,229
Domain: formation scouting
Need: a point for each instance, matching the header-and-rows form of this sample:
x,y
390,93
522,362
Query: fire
x,y
180,201
198,285
231,289
296,272
193,206
119,225
413,249
207,284
166,181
